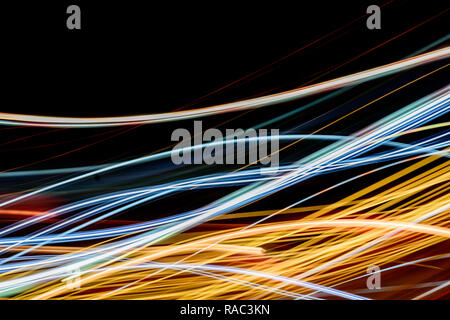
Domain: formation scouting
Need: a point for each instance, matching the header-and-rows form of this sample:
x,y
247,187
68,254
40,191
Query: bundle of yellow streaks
x,y
384,224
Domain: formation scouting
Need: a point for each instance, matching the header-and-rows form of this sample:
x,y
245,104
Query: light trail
x,y
360,77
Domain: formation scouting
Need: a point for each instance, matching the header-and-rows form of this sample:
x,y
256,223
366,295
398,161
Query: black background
x,y
144,56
